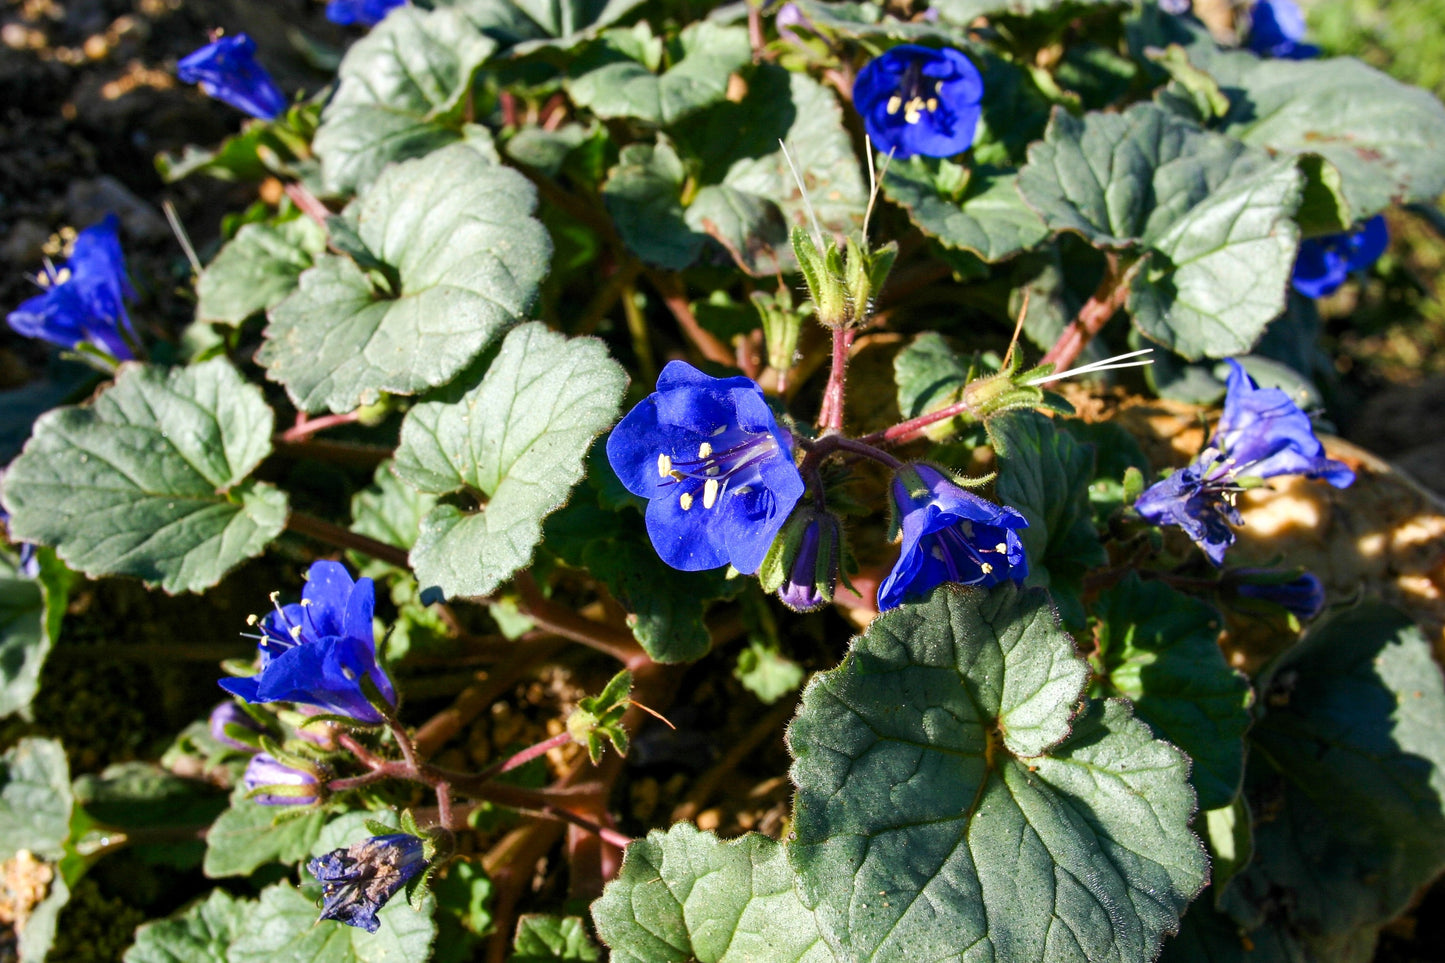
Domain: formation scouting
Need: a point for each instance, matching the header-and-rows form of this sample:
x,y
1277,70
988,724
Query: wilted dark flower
x,y
358,880
949,535
290,787
1277,29
317,653
368,13
920,100
802,564
84,301
716,468
1261,434
1325,262
226,69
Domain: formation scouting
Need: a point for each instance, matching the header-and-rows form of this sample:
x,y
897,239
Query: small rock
x,y
88,201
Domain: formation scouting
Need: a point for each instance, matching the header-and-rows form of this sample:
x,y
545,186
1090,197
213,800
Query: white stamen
x,y
913,110
275,598
305,603
894,103
1001,548
985,568
719,430
348,672
685,500
713,470
704,450
252,619
709,493
938,553
1108,364
664,465
295,633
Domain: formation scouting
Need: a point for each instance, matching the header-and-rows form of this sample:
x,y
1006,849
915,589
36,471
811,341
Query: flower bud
x,y
232,727
782,325
802,564
273,783
1299,593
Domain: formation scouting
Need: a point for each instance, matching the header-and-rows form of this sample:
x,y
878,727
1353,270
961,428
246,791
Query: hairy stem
x,y
324,531
552,617
830,415
1113,290
525,756
670,287
306,426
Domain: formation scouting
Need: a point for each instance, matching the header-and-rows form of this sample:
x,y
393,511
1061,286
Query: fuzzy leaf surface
x,y
1385,138
201,934
989,219
1045,474
282,928
242,838
553,939
1213,215
390,511
1350,758
515,443
468,256
954,803
685,895
1158,648
150,479
256,269
35,799
613,84
400,93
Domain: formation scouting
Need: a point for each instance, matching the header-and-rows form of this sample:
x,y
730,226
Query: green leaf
x,y
1158,648
612,83
945,810
516,443
528,26
965,11
685,895
929,374
1202,206
767,673
139,796
39,933
748,199
243,837
1045,474
468,256
282,928
1385,138
990,219
401,92
35,799
1229,835
201,934
390,511
256,269
643,195
1349,761
150,479
31,611
553,939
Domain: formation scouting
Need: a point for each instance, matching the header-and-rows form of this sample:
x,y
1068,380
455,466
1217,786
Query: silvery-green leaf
x,y
516,444
400,93
35,799
612,83
256,269
201,934
988,218
955,803
150,479
282,927
684,895
468,256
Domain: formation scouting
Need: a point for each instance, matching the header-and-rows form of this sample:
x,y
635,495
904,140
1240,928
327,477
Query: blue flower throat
x,y
955,542
916,94
713,473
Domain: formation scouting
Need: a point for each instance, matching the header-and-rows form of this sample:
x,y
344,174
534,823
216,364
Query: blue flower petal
x,y
226,69
920,100
86,299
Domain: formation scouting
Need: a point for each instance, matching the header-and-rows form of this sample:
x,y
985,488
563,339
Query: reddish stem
x,y
1110,296
525,756
305,426
323,531
308,203
554,618
905,430
674,295
830,415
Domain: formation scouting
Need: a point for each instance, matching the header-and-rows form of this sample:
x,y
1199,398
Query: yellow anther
x,y
252,619
677,475
704,450
933,103
295,632
913,110
1001,548
894,103
274,597
305,603
985,568
664,465
709,493
685,500
967,527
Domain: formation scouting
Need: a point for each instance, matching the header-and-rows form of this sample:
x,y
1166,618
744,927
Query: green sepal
x,y
600,716
782,325
290,758
1133,485
823,273
240,733
316,792
864,276
378,828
